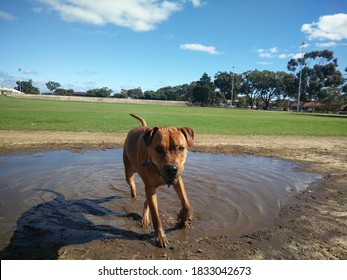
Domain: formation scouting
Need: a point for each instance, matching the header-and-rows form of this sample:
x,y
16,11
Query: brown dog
x,y
158,155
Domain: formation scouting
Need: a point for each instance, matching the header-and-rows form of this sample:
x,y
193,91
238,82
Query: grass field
x,y
49,115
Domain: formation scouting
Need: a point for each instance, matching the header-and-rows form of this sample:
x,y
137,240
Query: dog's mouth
x,y
170,181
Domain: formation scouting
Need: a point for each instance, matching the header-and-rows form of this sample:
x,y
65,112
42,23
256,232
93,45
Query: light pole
x,y
302,44
232,89
20,82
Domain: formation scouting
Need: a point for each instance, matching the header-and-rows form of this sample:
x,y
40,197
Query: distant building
x,y
343,110
310,106
306,107
8,91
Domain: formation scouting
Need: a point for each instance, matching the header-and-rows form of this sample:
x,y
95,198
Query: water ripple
x,y
86,192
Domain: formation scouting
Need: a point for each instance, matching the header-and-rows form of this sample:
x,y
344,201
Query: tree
x,y
322,74
151,95
52,86
177,93
275,85
344,86
204,91
119,95
228,82
65,92
99,92
268,86
27,87
249,86
289,88
135,93
187,91
180,93
242,101
331,100
224,82
165,93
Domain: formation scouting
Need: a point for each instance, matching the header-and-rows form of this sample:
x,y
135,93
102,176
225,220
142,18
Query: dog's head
x,y
167,149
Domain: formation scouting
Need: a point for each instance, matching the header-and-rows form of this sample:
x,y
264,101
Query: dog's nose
x,y
171,169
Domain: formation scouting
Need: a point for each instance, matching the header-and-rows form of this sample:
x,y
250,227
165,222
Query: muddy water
x,y
61,198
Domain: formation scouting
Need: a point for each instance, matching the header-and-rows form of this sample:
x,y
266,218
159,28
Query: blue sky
x,y
85,44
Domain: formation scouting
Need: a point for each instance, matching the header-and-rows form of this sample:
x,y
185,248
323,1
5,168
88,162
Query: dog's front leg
x,y
146,222
185,213
160,236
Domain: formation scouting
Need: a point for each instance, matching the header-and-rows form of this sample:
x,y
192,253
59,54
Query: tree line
x,y
321,81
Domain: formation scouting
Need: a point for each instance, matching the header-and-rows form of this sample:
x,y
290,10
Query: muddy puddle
x,y
62,198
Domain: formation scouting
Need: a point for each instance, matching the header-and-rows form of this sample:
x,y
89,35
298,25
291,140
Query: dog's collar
x,y
147,162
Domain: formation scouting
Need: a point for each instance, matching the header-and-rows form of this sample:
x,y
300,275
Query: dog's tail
x,y
143,122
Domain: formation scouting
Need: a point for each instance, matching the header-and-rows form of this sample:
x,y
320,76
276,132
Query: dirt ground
x,y
311,224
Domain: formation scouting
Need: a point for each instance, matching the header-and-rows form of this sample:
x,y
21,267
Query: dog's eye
x,y
180,149
159,150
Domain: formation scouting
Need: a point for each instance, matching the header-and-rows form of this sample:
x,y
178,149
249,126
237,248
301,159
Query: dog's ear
x,y
188,134
148,136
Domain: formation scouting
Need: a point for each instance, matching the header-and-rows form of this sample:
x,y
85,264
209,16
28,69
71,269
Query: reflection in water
x,y
61,198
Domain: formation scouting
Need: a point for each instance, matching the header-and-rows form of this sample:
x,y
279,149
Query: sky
x,y
124,44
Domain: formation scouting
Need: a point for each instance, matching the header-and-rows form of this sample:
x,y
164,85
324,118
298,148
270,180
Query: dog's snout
x,y
171,169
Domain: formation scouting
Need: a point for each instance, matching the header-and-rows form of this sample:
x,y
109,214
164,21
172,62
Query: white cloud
x,y
137,15
275,53
267,53
200,48
330,44
87,72
286,55
7,80
297,55
6,16
326,45
196,3
264,63
37,10
28,71
330,27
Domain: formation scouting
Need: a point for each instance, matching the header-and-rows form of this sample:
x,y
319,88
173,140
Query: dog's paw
x,y
146,222
161,240
185,218
187,223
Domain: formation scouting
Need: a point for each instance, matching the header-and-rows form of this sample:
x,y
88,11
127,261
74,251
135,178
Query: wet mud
x,y
53,203
311,223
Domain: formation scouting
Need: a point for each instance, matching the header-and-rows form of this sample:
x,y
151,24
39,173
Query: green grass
x,y
51,115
